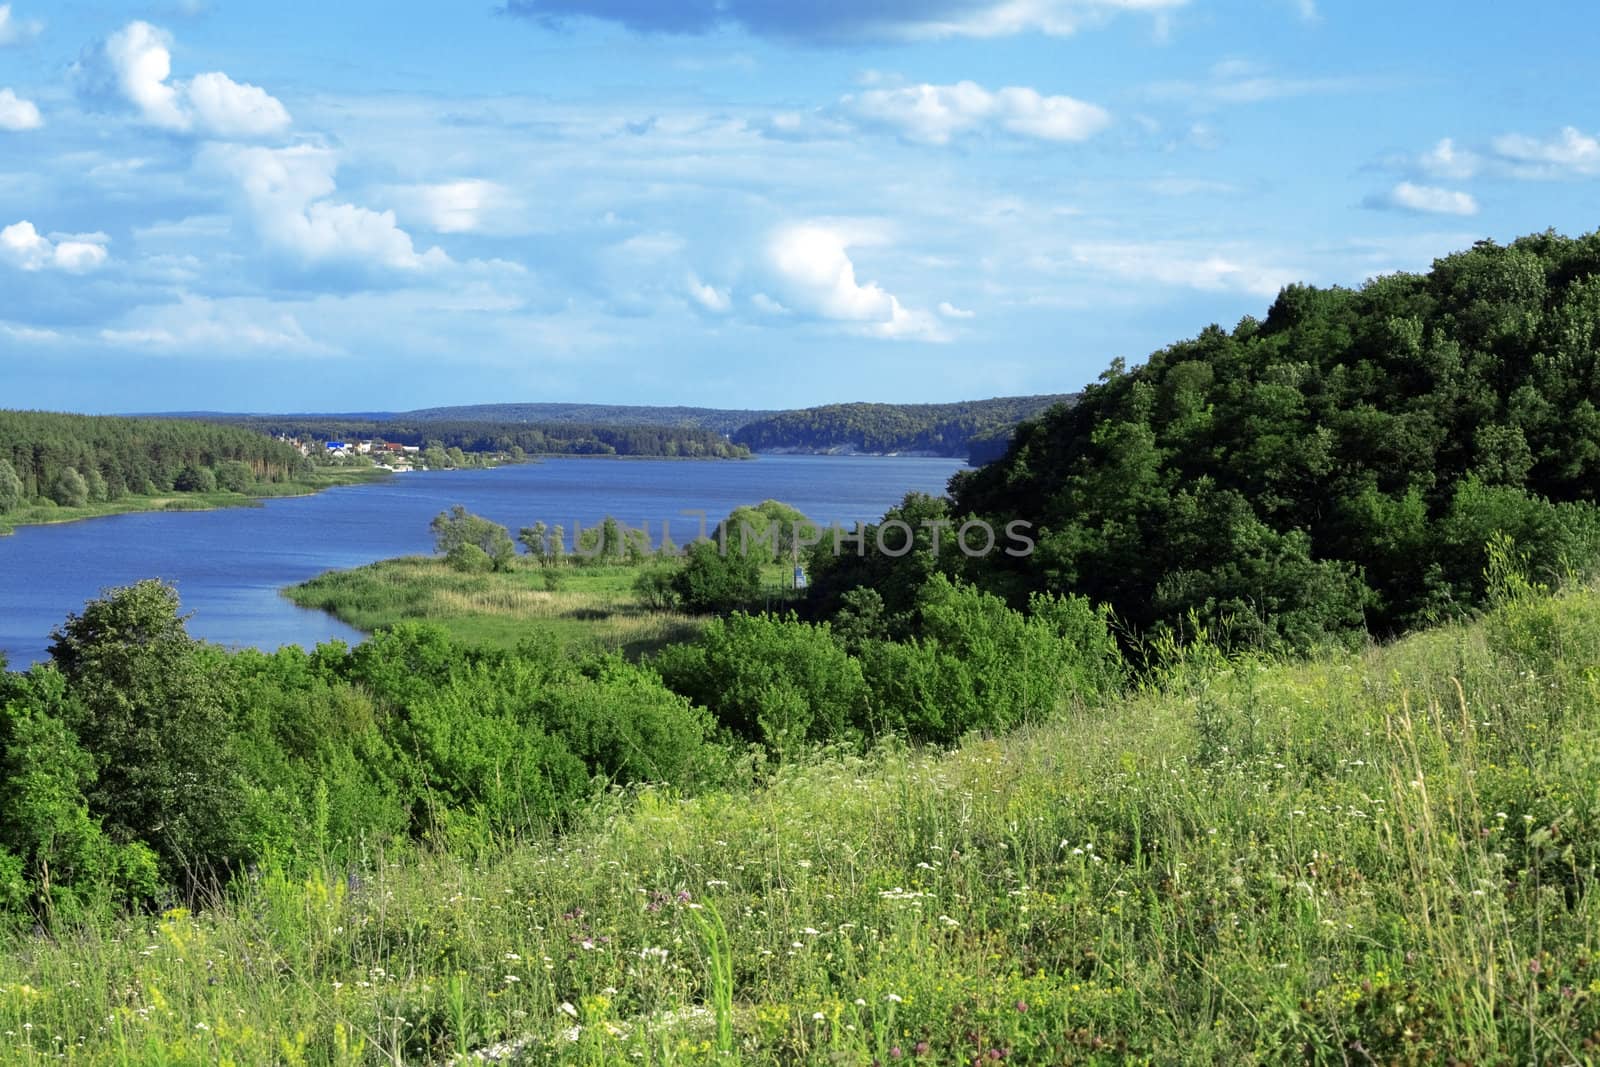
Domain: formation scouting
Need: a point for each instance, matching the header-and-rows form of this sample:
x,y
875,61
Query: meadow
x,y
1377,856
584,606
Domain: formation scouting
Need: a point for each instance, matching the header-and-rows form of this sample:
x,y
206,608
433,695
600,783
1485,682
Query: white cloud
x,y
1446,160
813,272
214,328
950,311
717,301
17,114
468,206
1425,200
287,193
225,108
1308,10
1573,154
14,30
933,114
137,64
24,247
1180,265
28,334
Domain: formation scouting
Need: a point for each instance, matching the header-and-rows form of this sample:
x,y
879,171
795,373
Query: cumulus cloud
x,y
134,67
1424,200
17,114
26,248
933,114
1571,154
950,311
813,273
834,23
287,193
14,30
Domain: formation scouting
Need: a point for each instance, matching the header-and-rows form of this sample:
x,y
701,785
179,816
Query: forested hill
x,y
936,429
98,458
720,420
1336,468
474,436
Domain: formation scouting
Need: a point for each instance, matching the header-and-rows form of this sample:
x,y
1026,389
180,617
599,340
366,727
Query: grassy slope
x,y
1379,858
315,483
594,606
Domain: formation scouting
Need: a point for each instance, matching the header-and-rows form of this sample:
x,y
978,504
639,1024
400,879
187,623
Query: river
x,y
230,565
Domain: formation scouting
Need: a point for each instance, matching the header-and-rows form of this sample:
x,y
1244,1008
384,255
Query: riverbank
x,y
135,503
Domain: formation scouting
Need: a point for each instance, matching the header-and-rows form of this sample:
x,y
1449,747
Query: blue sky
x,y
734,203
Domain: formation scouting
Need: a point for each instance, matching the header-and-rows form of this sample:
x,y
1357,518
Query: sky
x,y
364,205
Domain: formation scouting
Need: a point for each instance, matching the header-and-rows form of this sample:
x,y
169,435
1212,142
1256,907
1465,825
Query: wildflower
x,y
894,998
818,1016
1022,1005
568,1010
512,978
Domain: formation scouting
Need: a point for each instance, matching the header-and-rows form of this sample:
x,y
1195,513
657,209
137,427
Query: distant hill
x,y
722,421
976,429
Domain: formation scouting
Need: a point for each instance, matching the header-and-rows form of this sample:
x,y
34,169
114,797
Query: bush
x,y
711,581
979,665
195,479
654,588
775,680
469,559
235,476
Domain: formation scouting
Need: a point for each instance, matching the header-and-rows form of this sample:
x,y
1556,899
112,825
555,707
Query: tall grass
x,y
1385,857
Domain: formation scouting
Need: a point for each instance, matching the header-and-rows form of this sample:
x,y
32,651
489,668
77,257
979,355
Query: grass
x,y
594,605
43,515
1386,857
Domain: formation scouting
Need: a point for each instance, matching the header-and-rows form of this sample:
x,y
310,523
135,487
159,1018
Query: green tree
x,y
12,492
711,581
70,490
235,476
147,708
458,527
195,479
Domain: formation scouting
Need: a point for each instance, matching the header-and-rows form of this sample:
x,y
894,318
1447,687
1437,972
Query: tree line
x,y
1335,469
937,429
73,460
556,438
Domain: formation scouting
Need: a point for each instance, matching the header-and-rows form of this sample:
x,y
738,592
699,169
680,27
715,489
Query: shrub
x,y
469,559
712,581
235,476
12,491
195,479
775,680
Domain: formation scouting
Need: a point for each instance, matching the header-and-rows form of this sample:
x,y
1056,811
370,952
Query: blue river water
x,y
229,566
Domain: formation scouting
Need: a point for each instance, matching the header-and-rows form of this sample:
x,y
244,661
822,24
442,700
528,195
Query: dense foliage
x,y
552,438
138,762
74,460
1335,468
937,429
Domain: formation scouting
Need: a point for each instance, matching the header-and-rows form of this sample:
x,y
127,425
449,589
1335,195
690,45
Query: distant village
x,y
385,455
